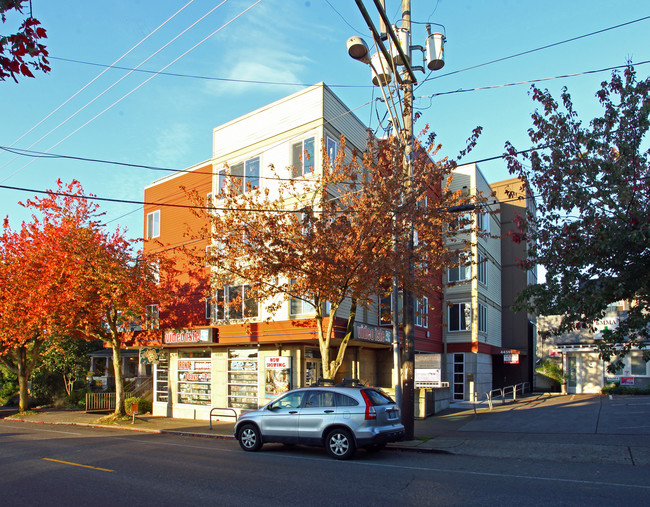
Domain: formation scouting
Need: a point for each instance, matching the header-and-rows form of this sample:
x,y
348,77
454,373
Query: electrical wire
x,y
547,46
150,78
95,79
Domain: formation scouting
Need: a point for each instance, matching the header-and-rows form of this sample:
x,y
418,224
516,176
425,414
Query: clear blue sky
x,y
168,121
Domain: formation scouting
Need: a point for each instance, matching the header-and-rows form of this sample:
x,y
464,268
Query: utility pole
x,y
383,64
408,317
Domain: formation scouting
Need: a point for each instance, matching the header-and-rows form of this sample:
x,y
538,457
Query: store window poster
x,y
278,375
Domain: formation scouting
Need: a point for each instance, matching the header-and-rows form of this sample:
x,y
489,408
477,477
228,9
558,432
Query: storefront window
x,y
195,378
161,379
243,378
638,365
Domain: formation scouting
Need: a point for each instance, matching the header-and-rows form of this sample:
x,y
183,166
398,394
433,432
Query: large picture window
x,y
303,157
460,317
243,378
195,380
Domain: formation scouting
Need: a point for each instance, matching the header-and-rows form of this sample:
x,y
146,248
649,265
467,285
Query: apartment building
x,y
487,344
214,358
210,356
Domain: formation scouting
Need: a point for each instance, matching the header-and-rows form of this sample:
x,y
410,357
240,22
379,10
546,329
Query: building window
x,y
303,157
460,273
300,307
234,303
241,178
460,317
422,312
332,150
482,269
245,176
209,309
482,318
153,224
243,378
483,222
195,378
161,379
637,365
386,309
152,317
222,182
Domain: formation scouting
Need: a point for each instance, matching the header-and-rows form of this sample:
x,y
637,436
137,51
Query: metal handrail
x,y
501,393
234,414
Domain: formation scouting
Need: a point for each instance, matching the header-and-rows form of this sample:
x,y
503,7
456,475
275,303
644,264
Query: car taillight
x,y
371,413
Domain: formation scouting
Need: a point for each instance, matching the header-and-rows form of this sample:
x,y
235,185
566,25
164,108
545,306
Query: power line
x,y
98,76
150,78
530,81
195,76
572,39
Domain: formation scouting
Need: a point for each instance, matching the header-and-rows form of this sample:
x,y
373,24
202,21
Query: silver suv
x,y
341,418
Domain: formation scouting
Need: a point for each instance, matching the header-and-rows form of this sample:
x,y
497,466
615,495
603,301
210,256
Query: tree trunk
x,y
119,378
21,361
349,332
21,364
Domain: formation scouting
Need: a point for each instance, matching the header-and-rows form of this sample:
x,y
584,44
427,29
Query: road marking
x,y
78,465
486,474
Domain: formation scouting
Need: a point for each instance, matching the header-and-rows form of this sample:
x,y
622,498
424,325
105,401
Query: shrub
x,y
144,406
619,389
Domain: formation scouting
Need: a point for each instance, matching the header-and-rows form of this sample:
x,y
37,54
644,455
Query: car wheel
x,y
340,444
375,447
250,438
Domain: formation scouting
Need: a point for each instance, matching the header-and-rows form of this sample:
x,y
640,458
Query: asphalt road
x,y
96,467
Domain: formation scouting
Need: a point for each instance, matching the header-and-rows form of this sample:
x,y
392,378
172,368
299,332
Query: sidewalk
x,y
576,428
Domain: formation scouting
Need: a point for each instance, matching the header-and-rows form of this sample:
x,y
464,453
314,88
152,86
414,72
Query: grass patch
x,y
113,419
26,413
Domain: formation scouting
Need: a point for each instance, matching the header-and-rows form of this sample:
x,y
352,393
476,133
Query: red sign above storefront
x,y
188,336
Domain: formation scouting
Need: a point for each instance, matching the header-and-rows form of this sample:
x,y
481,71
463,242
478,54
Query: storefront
x,y
195,373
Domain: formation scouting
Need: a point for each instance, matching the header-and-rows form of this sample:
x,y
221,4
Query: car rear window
x,y
345,401
377,398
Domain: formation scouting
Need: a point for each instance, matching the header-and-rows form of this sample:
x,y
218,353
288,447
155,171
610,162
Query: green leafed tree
x,y
592,228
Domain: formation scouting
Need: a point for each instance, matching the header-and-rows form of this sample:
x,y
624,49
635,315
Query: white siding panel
x,y
290,113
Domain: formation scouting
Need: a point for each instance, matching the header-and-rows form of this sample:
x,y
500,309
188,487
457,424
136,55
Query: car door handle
x,y
293,411
329,411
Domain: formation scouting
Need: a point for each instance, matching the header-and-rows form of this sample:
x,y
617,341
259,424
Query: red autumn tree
x,y
21,50
327,241
65,273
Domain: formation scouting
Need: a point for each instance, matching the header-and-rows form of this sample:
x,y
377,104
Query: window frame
x,y
153,224
422,317
482,318
458,268
225,295
482,269
460,318
226,177
152,317
300,172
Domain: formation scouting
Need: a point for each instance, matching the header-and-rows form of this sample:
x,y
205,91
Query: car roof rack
x,y
350,382
323,382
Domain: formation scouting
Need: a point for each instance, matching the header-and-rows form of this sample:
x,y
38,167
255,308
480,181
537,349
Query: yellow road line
x,y
78,465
